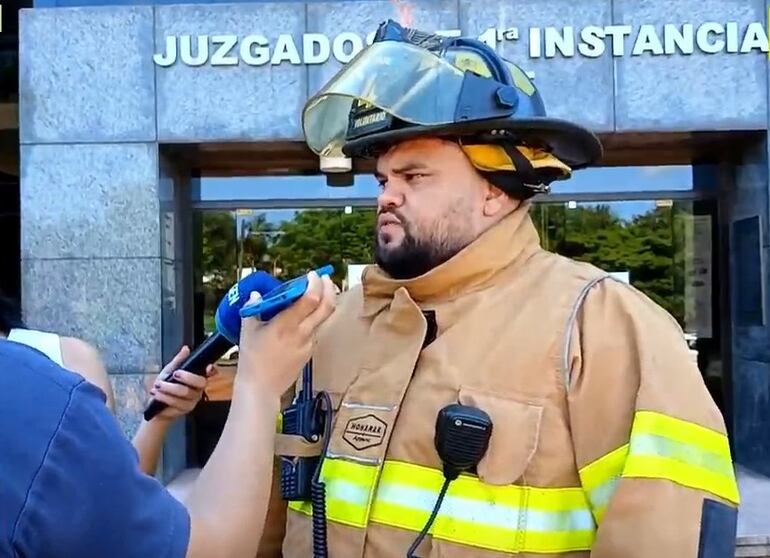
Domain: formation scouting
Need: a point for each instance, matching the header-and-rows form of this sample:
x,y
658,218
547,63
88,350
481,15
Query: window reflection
x,y
660,247
283,242
670,178
280,188
600,180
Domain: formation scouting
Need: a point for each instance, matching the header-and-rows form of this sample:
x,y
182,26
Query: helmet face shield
x,y
408,83
388,79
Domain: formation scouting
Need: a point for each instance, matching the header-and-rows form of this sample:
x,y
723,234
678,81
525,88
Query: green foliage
x,y
312,239
218,250
644,246
649,246
318,237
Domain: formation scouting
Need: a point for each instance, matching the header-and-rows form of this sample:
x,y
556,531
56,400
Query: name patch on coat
x,y
364,432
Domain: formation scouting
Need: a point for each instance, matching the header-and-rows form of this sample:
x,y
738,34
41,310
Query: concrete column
x,y
92,264
750,319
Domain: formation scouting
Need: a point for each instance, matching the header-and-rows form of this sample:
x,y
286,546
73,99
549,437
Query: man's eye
x,y
414,176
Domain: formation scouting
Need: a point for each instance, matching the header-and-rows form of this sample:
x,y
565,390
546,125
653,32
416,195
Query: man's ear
x,y
496,201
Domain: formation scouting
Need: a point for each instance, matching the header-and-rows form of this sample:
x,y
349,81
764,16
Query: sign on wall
x,y
698,275
591,41
353,278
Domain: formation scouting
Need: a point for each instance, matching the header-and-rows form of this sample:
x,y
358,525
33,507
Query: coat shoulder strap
x,y
576,305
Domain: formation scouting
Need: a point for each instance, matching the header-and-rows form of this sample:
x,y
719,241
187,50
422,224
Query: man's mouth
x,y
386,219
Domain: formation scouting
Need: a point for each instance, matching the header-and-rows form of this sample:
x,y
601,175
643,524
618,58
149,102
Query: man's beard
x,y
414,256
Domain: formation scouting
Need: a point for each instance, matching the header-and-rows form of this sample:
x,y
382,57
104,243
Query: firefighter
x,y
604,441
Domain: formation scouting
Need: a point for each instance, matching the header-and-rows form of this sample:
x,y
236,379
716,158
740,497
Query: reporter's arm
x,y
148,443
180,398
236,477
88,497
229,501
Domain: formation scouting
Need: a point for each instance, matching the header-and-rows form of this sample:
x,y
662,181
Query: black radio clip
x,y
311,418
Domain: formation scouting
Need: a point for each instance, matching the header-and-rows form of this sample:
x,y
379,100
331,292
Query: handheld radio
x,y
308,416
300,419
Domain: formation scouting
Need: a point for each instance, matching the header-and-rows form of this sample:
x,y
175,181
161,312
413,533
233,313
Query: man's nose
x,y
392,195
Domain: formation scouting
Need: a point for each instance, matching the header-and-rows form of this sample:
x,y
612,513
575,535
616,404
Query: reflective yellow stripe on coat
x,y
527,519
499,518
663,447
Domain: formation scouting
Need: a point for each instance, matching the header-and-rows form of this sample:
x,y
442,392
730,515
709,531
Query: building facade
x,y
162,157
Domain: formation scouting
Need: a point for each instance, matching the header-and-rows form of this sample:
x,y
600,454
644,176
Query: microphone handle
x,y
207,353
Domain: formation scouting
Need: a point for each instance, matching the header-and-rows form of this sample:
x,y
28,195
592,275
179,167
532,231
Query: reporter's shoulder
x,y
36,390
22,365
81,350
84,358
38,399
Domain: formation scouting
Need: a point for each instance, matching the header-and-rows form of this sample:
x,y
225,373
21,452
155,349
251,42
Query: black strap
x,y
510,183
524,168
526,180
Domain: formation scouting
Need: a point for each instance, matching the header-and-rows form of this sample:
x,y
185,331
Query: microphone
x,y
227,334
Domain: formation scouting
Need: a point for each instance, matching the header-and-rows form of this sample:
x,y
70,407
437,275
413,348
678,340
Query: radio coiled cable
x,y
318,488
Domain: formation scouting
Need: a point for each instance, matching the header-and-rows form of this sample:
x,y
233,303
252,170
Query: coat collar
x,y
508,243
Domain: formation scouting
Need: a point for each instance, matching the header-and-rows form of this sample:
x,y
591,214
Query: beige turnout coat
x,y
605,439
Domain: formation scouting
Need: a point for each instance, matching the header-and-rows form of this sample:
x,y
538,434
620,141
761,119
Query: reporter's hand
x,y
274,353
181,397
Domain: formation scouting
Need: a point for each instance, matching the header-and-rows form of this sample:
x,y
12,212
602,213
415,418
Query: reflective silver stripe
x,y
340,489
350,405
570,323
600,496
367,460
486,513
659,446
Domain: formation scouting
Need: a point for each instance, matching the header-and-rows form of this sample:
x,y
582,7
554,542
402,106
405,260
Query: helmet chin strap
x,y
522,183
510,183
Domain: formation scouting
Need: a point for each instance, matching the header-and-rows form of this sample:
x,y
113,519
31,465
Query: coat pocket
x,y
515,433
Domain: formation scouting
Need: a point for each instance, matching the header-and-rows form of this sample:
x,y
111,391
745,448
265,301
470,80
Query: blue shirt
x,y
70,483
